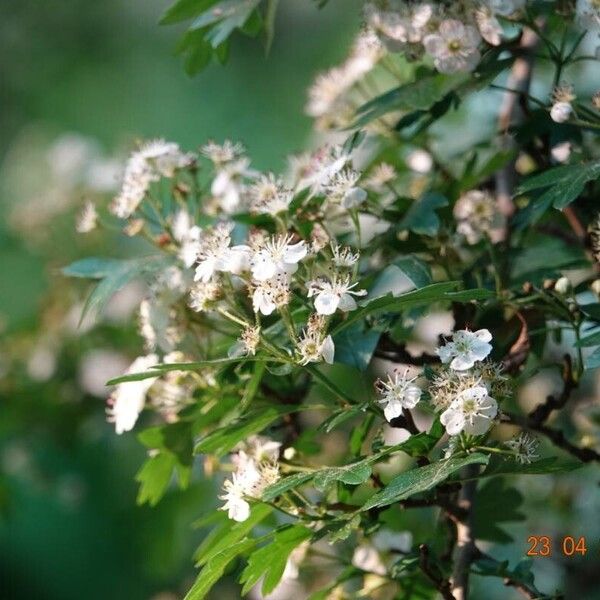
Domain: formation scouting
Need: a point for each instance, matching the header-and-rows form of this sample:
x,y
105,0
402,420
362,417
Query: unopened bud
x,y
595,287
562,286
289,453
548,284
527,287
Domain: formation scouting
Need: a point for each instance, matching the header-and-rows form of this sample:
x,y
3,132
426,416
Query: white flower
x,y
213,253
203,294
87,218
222,153
128,399
324,165
269,196
561,112
152,161
466,348
228,185
343,257
313,348
271,294
188,236
488,25
237,508
397,394
157,325
524,446
333,294
472,412
454,47
561,152
419,161
477,215
277,257
381,175
342,189
262,448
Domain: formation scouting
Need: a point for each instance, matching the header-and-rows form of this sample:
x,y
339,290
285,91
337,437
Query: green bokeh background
x,y
69,527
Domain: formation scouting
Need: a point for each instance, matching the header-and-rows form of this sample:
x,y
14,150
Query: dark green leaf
x,y
355,346
421,479
154,478
421,217
185,9
502,466
593,360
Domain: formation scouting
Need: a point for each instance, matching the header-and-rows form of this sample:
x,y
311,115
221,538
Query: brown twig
x,y
441,584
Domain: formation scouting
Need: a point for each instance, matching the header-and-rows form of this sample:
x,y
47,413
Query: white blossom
x,y
453,47
202,295
342,189
271,294
269,196
222,153
466,348
478,216
312,347
367,558
277,256
343,257
505,7
87,218
334,293
488,25
472,412
419,161
561,112
213,252
152,161
228,186
524,446
397,393
381,175
158,326
128,399
187,235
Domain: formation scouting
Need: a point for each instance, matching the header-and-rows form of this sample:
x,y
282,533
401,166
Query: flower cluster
x,y
256,469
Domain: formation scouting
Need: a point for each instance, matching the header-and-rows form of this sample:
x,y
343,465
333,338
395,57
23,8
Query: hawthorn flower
x,y
419,161
323,167
187,235
202,295
524,446
397,393
262,449
214,252
478,216
128,399
453,47
466,348
237,508
488,25
343,257
343,190
269,196
381,175
472,412
367,559
250,339
334,293
313,345
220,154
562,109
153,160
158,326
87,218
271,294
277,257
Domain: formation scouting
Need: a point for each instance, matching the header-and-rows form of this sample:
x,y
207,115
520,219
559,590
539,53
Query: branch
x,y
441,585
389,350
466,551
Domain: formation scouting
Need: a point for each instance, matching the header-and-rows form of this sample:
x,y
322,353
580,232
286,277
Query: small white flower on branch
x,y
454,47
277,256
466,348
270,295
334,293
472,412
87,218
524,446
397,393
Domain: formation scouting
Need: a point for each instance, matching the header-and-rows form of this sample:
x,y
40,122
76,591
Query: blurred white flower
x,y
419,161
87,218
588,14
187,235
472,412
343,257
269,196
222,153
228,186
342,189
477,214
367,558
466,348
524,446
128,399
561,112
454,47
271,294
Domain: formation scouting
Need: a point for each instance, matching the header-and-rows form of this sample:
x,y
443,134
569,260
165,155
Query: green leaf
x,y
270,15
502,466
565,183
223,18
591,310
215,568
489,513
436,292
593,360
185,9
270,560
421,217
222,440
355,346
92,268
593,339
353,474
522,573
285,485
421,479
154,478
229,532
405,273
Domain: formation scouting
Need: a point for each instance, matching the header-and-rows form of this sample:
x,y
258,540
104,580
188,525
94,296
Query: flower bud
x,y
561,112
595,287
562,286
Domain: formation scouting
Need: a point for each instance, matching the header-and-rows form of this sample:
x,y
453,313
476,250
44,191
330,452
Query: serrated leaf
x,y
185,9
285,485
501,466
154,478
353,474
230,532
421,479
270,560
222,440
215,568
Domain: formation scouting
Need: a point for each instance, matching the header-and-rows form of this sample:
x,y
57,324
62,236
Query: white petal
x,y
412,395
263,268
347,303
462,362
392,410
328,350
453,420
239,511
205,270
354,197
295,253
326,303
446,352
483,334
